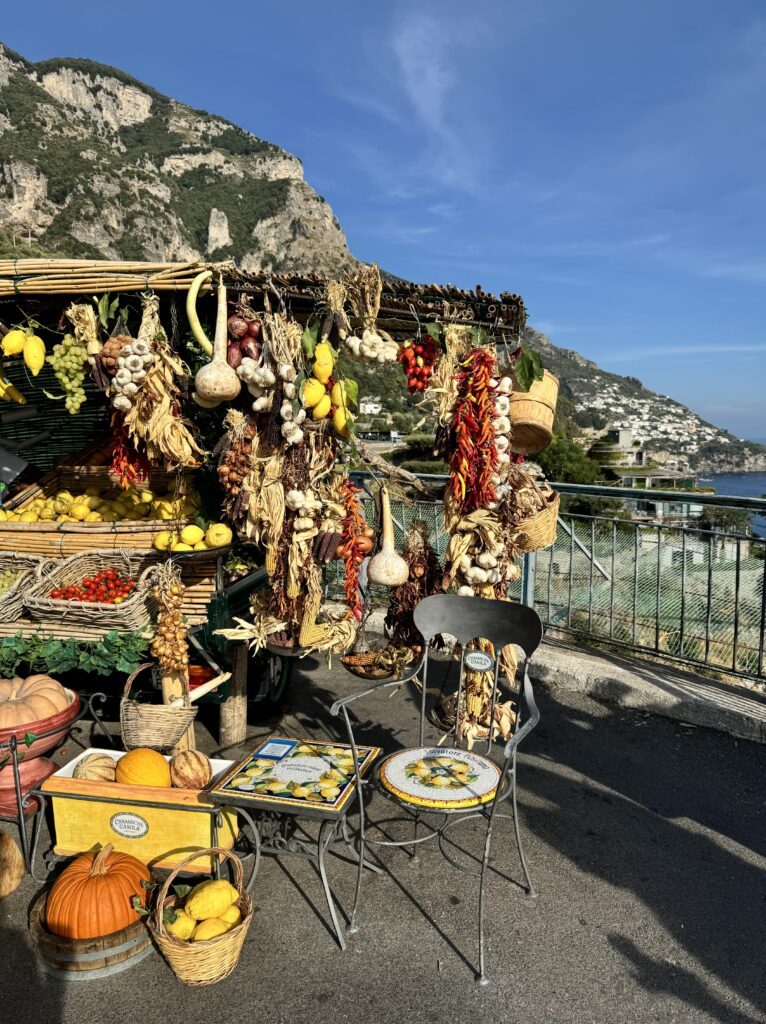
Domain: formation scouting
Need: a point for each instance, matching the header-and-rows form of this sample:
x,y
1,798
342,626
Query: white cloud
x,y
654,351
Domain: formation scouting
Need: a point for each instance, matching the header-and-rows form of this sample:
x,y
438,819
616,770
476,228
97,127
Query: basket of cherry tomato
x,y
418,359
105,589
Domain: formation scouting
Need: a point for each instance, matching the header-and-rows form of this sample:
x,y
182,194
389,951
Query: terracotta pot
x,y
31,774
59,722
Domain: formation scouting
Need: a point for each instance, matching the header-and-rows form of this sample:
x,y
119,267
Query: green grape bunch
x,y
69,360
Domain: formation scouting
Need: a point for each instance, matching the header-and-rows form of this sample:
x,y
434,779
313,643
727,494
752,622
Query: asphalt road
x,y
646,839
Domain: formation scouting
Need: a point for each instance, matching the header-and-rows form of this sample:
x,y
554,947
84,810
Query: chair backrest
x,y
472,618
466,618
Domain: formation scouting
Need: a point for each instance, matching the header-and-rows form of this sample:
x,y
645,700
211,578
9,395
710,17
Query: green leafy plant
x,y
527,369
114,652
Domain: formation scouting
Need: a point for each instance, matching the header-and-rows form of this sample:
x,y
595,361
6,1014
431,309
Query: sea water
x,y
742,485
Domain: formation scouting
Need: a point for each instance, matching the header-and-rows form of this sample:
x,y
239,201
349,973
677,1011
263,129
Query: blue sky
x,y
604,159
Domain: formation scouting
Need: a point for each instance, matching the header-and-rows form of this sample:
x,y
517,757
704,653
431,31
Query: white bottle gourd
x,y
387,568
217,381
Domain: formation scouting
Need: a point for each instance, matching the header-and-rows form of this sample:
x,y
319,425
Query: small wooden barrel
x,y
532,413
87,959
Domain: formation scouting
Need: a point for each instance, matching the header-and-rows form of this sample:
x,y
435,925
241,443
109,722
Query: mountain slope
x,y
96,164
661,424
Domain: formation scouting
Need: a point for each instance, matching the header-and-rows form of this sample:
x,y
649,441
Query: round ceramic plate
x,y
440,777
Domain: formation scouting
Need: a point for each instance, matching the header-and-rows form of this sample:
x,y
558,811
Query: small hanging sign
x,y
478,661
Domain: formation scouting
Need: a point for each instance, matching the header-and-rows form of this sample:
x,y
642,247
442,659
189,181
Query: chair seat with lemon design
x,y
439,778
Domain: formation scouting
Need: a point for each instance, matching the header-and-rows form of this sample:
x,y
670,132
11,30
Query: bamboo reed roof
x,y
402,301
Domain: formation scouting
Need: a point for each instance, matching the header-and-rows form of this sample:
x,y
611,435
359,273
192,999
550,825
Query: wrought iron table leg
x,y
326,835
257,840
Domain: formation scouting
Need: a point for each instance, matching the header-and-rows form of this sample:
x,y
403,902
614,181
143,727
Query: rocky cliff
x,y
96,164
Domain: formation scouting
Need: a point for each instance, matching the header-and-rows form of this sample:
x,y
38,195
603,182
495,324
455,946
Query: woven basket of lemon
x,y
201,935
104,589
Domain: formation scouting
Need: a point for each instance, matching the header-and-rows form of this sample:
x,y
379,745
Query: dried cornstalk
x,y
335,318
155,418
441,392
83,320
284,337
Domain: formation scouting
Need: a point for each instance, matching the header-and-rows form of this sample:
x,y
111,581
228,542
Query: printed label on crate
x,y
478,661
129,825
303,775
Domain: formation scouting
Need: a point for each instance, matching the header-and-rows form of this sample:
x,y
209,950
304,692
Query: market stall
x,y
196,528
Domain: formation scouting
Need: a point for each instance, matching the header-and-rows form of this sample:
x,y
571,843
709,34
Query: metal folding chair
x,y
425,781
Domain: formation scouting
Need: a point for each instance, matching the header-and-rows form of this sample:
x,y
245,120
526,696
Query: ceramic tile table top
x,y
291,776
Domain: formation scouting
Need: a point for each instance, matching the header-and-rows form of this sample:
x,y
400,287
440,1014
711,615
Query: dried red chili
x,y
128,467
354,525
473,456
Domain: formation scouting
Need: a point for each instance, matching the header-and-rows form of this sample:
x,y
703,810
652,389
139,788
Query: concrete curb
x,y
646,686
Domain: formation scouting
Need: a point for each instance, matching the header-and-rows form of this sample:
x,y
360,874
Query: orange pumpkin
x,y
93,895
23,701
143,767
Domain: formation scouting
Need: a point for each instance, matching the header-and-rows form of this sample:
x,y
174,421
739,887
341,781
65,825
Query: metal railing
x,y
667,588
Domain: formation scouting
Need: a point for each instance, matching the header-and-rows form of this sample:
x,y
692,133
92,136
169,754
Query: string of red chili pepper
x,y
129,466
354,524
474,455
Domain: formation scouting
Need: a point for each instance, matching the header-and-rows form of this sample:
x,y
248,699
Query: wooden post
x,y
233,729
176,684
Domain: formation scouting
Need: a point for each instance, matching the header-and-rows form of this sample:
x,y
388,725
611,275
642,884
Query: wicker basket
x,y
134,612
532,413
12,601
539,530
160,726
202,963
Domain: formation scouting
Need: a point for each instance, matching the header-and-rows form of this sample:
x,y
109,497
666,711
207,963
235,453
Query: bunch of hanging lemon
x,y
18,342
319,399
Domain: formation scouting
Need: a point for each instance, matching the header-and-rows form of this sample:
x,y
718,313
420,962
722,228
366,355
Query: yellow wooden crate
x,y
159,826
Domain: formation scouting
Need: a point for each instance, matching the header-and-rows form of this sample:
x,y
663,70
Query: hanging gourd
x,y
387,568
217,381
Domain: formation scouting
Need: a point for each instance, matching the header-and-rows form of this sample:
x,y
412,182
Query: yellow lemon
x,y
183,926
92,517
322,372
92,501
338,394
329,792
313,392
210,899
192,535
146,496
322,408
13,342
275,786
162,540
301,791
209,929
323,353
232,916
202,546
3,515
29,517
62,504
178,545
218,535
79,511
34,354
340,421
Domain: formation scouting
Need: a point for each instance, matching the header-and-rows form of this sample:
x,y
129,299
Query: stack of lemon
x,y
194,538
97,505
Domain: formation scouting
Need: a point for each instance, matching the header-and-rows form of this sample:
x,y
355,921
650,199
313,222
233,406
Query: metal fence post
x,y
528,579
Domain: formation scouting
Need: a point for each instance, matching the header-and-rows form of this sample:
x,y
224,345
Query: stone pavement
x,y
645,838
